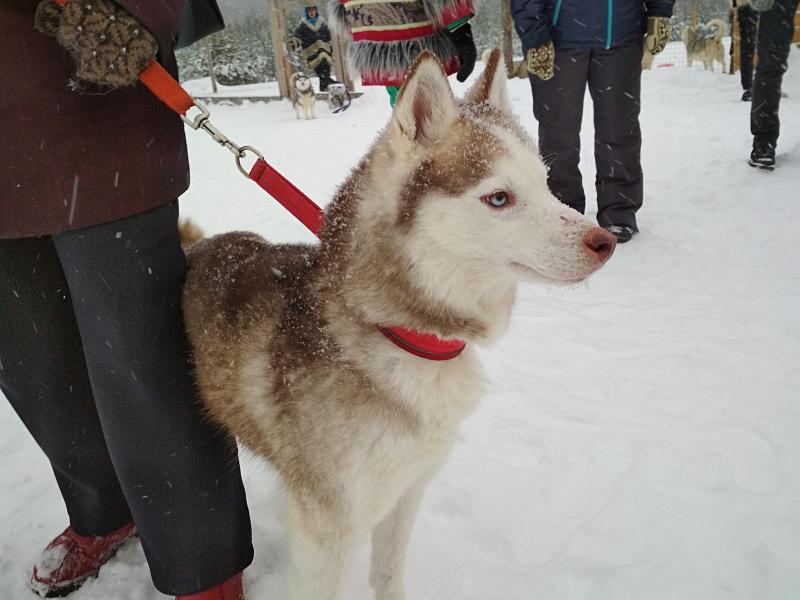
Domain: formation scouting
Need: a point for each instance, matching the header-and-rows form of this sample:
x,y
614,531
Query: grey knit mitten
x,y
541,61
657,36
48,17
109,46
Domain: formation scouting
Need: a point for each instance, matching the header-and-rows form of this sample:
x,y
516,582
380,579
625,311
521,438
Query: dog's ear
x,y
491,87
425,105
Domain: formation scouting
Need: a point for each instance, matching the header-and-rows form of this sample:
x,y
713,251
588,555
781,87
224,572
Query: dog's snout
x,y
599,243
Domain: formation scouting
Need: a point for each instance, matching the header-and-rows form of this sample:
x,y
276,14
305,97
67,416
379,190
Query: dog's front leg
x,y
389,543
320,550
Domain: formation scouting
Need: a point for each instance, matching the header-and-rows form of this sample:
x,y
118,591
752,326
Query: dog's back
x,y
238,293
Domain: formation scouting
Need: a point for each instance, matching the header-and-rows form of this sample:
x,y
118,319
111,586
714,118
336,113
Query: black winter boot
x,y
763,156
623,233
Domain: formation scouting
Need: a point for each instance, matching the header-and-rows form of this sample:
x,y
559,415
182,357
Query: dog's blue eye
x,y
498,199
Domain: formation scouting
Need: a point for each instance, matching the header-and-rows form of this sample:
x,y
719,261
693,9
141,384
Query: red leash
x,y
284,191
170,92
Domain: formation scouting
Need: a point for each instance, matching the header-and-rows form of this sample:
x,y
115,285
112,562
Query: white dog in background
x,y
303,97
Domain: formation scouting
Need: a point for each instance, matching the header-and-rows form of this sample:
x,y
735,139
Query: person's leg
x,y
775,32
748,22
323,71
558,108
179,472
43,375
615,85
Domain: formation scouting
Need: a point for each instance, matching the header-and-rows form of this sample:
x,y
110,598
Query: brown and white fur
x,y
520,67
288,357
303,96
708,49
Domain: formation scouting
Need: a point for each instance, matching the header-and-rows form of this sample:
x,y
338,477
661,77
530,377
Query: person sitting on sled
x,y
389,34
315,39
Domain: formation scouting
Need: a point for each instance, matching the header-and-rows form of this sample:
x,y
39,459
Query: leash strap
x,y
164,87
285,192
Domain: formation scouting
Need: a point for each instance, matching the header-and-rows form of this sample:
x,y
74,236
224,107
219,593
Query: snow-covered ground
x,y
641,434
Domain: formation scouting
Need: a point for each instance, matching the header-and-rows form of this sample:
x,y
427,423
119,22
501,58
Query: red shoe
x,y
71,559
229,590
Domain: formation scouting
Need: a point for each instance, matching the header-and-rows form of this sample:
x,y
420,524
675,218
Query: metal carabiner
x,y
203,121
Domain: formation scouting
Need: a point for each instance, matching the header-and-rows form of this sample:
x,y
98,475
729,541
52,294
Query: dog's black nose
x,y
599,243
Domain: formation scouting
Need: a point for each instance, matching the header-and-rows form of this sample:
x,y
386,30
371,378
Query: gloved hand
x,y
657,34
467,53
109,46
542,60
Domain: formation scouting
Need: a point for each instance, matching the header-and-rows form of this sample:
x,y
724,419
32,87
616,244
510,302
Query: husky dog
x,y
432,232
302,95
704,43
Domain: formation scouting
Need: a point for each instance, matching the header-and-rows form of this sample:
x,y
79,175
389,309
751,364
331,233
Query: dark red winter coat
x,y
71,159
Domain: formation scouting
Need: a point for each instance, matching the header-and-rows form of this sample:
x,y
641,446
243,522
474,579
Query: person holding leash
x,y
93,354
569,45
775,34
389,34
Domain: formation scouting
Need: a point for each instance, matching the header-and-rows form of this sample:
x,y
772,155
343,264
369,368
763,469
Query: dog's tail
x,y
189,233
720,28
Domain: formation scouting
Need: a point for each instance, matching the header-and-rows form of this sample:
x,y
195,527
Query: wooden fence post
x,y
277,31
508,40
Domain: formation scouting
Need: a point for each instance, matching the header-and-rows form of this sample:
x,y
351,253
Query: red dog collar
x,y
424,345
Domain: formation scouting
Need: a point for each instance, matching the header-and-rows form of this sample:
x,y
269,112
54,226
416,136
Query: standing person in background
x,y
569,45
748,29
389,34
775,33
93,354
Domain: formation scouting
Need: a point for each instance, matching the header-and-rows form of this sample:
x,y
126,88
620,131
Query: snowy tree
x,y
241,54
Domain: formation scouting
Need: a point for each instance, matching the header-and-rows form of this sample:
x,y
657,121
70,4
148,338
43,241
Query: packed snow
x,y
640,438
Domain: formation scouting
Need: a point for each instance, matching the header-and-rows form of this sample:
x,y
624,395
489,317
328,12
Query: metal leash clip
x,y
202,121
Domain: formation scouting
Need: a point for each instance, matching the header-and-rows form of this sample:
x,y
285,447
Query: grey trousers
x,y
94,360
614,80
